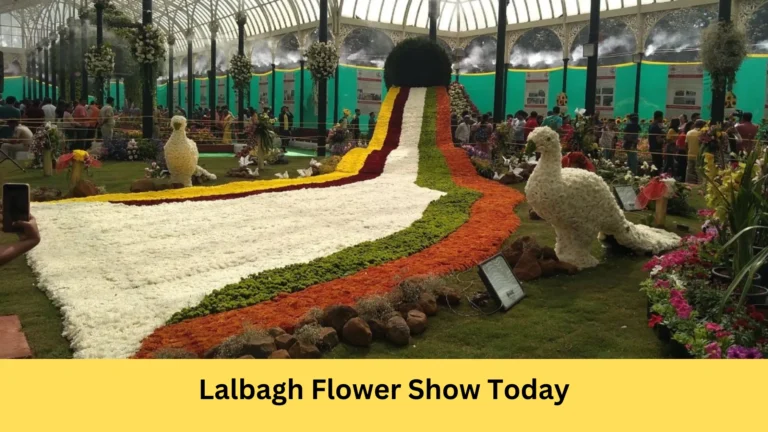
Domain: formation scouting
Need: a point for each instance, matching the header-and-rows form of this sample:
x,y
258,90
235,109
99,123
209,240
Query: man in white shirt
x,y
50,110
107,119
463,130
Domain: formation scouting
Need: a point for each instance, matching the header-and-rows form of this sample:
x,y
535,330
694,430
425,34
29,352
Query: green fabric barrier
x,y
653,89
750,86
162,94
515,91
577,86
706,99
555,87
624,92
480,89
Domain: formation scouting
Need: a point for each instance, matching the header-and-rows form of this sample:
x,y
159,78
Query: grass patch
x,y
441,218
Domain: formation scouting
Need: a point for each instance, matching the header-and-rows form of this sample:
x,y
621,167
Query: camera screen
x,y
15,203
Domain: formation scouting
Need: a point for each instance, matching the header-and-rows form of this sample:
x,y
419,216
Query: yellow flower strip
x,y
350,165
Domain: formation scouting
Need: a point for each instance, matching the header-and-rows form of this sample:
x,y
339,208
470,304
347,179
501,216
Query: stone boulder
x,y
398,331
404,308
84,189
428,303
417,322
143,185
259,346
304,351
357,333
276,331
284,341
328,339
378,328
338,315
44,194
280,354
510,179
527,268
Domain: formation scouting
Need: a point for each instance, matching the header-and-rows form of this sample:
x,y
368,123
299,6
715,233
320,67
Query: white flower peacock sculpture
x,y
580,206
181,155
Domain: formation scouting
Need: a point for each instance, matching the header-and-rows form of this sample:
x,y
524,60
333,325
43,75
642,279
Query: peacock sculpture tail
x,y
580,206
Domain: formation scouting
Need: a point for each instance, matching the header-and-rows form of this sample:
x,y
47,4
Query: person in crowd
x,y
93,123
530,124
692,140
682,151
683,122
657,140
10,116
344,122
226,123
695,117
608,138
567,131
518,126
107,119
34,115
372,126
554,121
631,137
463,130
49,110
68,125
80,116
748,131
29,237
60,107
483,130
355,125
285,125
670,147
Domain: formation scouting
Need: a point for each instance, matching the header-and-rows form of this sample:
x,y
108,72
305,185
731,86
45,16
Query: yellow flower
x,y
80,155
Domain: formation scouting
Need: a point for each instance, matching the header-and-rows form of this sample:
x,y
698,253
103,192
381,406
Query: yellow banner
x,y
372,395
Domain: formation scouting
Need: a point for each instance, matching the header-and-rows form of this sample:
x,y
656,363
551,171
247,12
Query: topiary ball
x,y
417,62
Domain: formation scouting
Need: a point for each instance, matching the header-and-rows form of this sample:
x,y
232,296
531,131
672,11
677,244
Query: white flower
x,y
628,177
655,270
653,168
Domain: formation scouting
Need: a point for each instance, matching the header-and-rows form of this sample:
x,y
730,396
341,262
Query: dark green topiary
x,y
417,62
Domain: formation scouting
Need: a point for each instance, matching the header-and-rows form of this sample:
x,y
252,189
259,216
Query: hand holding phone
x,y
15,207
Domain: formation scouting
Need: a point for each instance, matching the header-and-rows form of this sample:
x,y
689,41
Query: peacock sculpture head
x,y
545,139
179,123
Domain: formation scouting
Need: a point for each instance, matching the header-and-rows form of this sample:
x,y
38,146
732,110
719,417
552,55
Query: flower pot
x,y
763,272
723,274
663,333
47,163
757,295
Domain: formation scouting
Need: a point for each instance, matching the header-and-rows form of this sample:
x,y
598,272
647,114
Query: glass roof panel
x,y
422,19
522,11
469,15
447,19
399,12
361,9
387,8
348,8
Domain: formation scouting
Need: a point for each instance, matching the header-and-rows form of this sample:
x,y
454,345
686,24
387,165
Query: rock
x,y
527,268
378,328
512,256
44,194
428,303
398,331
527,244
211,353
276,331
163,186
177,185
328,339
259,346
357,333
280,354
247,357
548,267
337,316
417,322
566,268
84,189
304,351
448,297
510,179
143,185
532,215
306,320
284,341
404,308
547,253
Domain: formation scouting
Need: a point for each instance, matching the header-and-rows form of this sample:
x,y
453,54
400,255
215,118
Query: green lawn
x,y
598,313
117,176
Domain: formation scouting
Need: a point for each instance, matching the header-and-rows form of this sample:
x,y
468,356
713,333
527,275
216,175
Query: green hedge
x,y
441,218
417,62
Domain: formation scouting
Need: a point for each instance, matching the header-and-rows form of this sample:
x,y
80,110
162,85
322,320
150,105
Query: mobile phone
x,y
15,205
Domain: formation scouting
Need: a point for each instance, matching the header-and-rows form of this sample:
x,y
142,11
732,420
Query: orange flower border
x,y
492,220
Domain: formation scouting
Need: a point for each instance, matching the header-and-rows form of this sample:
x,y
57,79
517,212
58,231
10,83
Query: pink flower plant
x,y
713,351
713,327
678,301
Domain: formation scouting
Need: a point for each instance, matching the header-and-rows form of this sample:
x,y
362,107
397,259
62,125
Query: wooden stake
x,y
660,219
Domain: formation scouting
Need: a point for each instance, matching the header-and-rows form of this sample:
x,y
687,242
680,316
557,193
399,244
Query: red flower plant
x,y
654,320
577,160
655,189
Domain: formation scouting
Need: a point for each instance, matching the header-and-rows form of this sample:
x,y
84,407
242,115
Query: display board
x,y
263,92
289,90
685,90
500,282
536,88
369,90
605,94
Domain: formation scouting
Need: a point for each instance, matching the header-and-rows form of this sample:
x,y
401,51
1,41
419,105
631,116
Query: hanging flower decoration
x,y
322,59
148,44
659,187
100,61
240,17
240,70
67,160
723,48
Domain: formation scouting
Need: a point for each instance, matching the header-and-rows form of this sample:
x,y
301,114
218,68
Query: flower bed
x,y
491,221
684,306
164,258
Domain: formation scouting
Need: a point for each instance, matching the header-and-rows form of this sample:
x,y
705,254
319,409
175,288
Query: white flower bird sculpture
x,y
580,205
181,153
